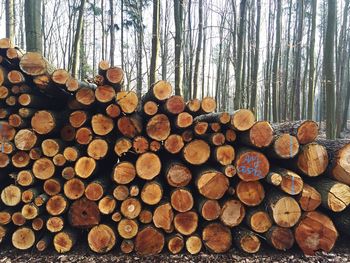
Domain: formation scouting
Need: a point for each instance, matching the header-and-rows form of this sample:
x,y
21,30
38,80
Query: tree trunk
x,y
112,30
275,67
10,20
198,50
33,25
178,15
77,39
155,41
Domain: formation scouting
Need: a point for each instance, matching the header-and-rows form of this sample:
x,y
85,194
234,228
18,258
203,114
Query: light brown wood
x,y
11,195
55,224
212,184
95,190
209,209
101,238
130,208
312,159
44,122
163,216
128,228
148,166
186,223
258,220
124,172
52,186
107,205
127,100
56,205
127,246
174,144
309,198
208,105
149,241
74,189
121,192
246,240
242,120
64,241
217,238
43,168
177,174
182,200
152,193
250,193
232,213
175,243
174,105
105,94
158,127
85,167
196,152
280,238
23,238
194,244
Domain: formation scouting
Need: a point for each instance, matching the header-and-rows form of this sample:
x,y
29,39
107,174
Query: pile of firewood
x,y
89,160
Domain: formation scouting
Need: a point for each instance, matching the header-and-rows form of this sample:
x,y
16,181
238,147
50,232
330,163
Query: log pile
x,y
90,160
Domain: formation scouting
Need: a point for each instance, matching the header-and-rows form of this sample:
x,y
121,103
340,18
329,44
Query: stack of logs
x,y
89,160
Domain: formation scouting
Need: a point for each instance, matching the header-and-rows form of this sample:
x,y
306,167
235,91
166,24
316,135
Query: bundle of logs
x,y
90,161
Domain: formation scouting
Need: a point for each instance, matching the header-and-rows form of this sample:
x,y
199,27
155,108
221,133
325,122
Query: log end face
x,y
313,159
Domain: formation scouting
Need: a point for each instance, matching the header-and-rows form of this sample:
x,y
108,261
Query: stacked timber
x,y
91,160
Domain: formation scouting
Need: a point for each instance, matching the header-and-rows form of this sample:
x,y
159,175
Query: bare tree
x,y
178,14
155,41
10,20
198,49
32,14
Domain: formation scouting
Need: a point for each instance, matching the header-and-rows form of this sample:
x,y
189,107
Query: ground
x,y
341,254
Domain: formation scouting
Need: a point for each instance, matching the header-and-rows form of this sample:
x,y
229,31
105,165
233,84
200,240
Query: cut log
x,y
158,127
44,122
43,168
208,105
85,167
288,181
55,224
57,205
149,241
38,224
130,126
121,192
95,190
175,244
18,219
128,228
29,195
74,189
217,238
52,186
305,131
177,174
280,238
314,232
85,96
150,108
224,154
182,200
115,77
84,213
145,216
258,219
140,144
30,211
312,160
309,199
78,118
335,196
250,193
183,120
64,241
163,216
127,246
44,243
130,208
251,165
285,146
174,144
340,169
34,64
23,238
107,205
122,146
260,135
186,223
152,193
196,152
104,94
283,209
98,148
159,91
148,166
246,240
127,100
200,128
155,146
25,178
194,244
101,124
232,213
174,105
124,172
113,111
101,238
11,195
209,209
212,184
5,216
41,200
242,120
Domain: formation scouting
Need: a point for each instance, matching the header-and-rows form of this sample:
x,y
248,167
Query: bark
x,y
155,41
33,25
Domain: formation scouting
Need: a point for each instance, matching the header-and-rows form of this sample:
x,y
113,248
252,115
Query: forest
x,y
285,60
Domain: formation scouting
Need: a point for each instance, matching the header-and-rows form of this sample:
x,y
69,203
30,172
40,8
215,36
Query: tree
x,y
112,30
178,15
198,49
77,39
155,41
239,67
328,70
32,13
10,20
275,66
311,93
256,58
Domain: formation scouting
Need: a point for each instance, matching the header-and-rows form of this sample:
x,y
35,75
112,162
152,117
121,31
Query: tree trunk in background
x,y
239,67
32,16
77,39
122,32
204,52
341,68
178,14
267,68
10,20
219,64
328,70
198,50
297,72
155,41
94,42
275,70
311,94
112,45
256,59
164,44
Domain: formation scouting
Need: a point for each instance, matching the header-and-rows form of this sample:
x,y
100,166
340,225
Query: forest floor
x,y
81,254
